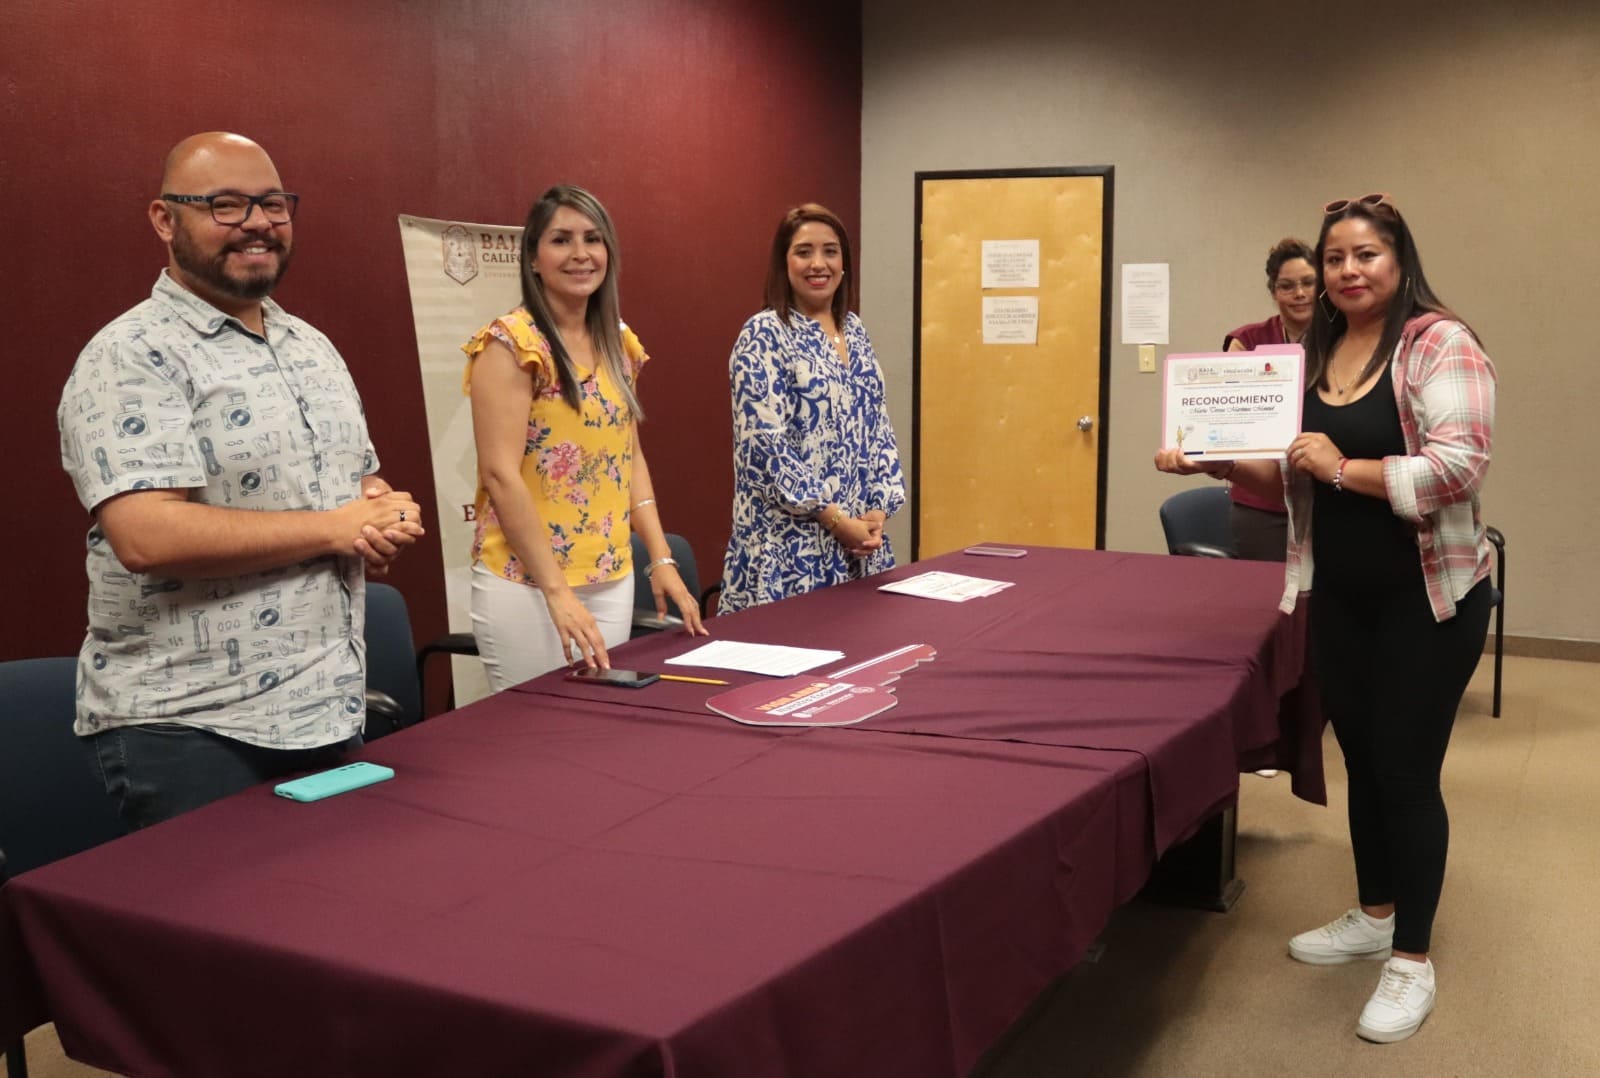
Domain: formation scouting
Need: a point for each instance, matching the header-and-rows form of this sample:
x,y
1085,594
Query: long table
x,y
576,880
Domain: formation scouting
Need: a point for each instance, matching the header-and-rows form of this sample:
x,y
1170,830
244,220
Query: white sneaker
x,y
1346,938
1403,999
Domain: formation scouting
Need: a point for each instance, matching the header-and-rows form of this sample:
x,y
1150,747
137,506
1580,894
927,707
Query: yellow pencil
x,y
692,680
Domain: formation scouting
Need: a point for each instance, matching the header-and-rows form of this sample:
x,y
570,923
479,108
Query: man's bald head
x,y
231,266
210,159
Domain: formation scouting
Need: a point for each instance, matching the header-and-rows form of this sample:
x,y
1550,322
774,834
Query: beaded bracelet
x,y
1338,476
658,563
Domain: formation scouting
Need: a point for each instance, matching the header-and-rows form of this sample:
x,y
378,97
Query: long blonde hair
x,y
603,315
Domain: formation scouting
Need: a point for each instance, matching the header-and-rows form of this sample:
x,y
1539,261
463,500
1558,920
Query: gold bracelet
x,y
838,515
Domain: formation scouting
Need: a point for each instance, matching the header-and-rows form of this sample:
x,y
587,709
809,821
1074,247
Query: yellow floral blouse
x,y
578,465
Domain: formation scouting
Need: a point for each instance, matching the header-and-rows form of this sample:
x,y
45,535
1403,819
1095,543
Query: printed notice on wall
x,y
1146,298
1010,319
1011,263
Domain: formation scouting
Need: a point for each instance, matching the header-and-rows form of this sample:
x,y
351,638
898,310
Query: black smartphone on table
x,y
626,679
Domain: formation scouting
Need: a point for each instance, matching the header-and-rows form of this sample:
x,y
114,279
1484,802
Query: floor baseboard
x,y
1538,647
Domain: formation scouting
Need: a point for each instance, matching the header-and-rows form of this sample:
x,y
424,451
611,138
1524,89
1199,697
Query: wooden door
x,y
1009,439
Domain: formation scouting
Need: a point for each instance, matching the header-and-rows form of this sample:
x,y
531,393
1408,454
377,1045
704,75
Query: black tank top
x,y
1356,539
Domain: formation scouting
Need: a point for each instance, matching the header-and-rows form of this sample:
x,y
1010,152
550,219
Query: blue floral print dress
x,y
807,431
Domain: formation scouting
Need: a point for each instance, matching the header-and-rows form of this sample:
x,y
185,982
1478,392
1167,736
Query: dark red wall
x,y
697,122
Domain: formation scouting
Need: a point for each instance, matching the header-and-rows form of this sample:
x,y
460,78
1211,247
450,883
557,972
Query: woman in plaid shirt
x,y
1394,448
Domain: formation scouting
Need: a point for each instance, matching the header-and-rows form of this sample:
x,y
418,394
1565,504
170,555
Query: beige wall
x,y
1485,126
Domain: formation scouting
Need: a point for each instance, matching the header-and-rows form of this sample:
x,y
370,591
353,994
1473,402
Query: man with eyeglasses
x,y
221,447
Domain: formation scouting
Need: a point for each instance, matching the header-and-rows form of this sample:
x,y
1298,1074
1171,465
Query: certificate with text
x,y
1233,405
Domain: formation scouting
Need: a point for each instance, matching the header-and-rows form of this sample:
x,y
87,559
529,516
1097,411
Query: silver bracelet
x,y
640,505
658,563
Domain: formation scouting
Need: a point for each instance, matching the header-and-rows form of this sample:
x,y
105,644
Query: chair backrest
x,y
391,660
52,803
1198,516
643,597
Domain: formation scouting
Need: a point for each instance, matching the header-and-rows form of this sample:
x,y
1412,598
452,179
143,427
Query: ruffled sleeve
x,y
634,352
517,332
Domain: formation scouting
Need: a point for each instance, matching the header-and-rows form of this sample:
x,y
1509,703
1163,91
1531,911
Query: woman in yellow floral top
x,y
561,476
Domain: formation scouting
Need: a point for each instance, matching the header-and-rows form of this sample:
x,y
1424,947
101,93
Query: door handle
x,y
1086,423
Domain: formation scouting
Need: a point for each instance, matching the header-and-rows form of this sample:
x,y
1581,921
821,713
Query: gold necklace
x,y
1340,387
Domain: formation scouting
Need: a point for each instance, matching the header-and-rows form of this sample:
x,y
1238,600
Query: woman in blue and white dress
x,y
816,472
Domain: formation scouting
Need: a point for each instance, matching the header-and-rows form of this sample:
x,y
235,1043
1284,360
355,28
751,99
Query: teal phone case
x,y
337,780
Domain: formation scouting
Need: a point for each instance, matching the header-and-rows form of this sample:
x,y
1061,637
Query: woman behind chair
x,y
815,466
1261,524
562,477
1383,502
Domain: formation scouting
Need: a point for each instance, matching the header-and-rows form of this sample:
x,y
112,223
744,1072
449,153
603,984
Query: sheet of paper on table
x,y
951,587
773,659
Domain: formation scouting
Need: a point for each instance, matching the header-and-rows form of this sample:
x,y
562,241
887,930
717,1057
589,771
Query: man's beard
x,y
214,271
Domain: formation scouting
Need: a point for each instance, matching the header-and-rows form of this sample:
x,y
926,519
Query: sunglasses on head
x,y
1339,205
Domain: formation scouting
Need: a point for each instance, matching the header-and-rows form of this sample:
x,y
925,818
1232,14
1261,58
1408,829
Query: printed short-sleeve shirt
x,y
175,394
577,465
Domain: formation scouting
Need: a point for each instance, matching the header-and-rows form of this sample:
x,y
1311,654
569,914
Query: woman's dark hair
x,y
603,316
779,296
1413,297
1287,250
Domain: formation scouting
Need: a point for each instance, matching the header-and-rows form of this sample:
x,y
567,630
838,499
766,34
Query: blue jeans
x,y
156,771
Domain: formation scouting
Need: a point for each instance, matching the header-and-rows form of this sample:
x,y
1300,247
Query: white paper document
x,y
951,587
1011,263
1146,302
1010,319
774,659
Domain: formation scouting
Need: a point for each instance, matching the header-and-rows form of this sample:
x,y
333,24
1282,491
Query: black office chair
x,y
1497,596
394,696
645,620
52,804
1196,523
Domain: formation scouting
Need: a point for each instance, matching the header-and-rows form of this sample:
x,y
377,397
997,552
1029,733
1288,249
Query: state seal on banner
x,y
460,254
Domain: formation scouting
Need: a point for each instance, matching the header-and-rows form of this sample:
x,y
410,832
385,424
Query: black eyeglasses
x,y
1372,202
234,209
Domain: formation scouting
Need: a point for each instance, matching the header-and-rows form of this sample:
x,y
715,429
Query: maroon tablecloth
x,y
20,1005
570,880
1186,661
578,892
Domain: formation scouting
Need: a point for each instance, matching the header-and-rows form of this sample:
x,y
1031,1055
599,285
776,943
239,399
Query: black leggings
x,y
1391,680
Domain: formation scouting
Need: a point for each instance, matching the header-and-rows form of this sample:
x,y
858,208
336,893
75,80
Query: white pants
x,y
516,638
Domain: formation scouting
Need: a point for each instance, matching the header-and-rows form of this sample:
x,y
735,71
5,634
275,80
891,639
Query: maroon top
x,y
1255,335
576,880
